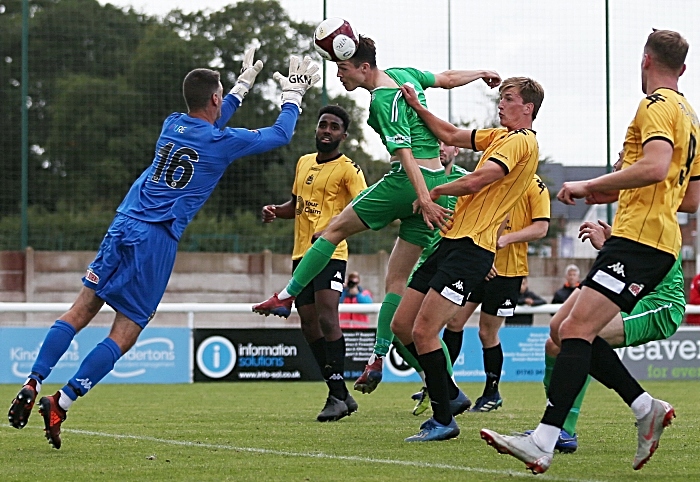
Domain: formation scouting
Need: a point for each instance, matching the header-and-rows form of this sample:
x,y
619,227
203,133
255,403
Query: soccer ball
x,y
335,39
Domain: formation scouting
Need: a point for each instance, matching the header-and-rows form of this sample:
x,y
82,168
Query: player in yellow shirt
x,y
659,160
528,221
325,182
465,255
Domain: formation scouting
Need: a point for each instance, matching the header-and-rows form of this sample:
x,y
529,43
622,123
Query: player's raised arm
x,y
443,130
487,174
302,75
650,169
249,71
457,78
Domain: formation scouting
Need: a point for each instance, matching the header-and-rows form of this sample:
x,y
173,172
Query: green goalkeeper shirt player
x,y
415,170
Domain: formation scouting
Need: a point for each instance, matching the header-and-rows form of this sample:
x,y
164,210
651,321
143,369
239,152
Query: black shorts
x,y
497,296
454,270
625,271
331,278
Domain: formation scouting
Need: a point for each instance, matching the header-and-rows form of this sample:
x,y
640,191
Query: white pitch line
x,y
321,455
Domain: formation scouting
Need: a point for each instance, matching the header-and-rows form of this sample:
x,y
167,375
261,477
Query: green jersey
x,y
396,122
456,173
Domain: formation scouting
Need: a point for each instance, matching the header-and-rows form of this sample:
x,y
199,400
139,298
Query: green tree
x,y
256,180
101,82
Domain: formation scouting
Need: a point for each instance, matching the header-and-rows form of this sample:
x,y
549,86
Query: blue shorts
x,y
132,267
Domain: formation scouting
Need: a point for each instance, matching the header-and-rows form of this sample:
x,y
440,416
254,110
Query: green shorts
x,y
392,198
651,319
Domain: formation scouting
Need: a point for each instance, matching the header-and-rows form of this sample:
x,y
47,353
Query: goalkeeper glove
x,y
248,73
301,78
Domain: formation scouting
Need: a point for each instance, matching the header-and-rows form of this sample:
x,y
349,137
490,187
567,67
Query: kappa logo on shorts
x,y
618,268
505,312
635,289
608,281
337,282
508,302
91,276
456,297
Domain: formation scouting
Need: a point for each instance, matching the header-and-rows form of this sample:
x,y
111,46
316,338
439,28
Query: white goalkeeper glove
x,y
248,73
301,78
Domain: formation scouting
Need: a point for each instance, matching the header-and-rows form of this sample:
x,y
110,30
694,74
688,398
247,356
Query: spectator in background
x,y
527,298
572,281
354,293
694,299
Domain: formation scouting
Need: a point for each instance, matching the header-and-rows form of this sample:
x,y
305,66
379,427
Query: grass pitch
x,y
268,431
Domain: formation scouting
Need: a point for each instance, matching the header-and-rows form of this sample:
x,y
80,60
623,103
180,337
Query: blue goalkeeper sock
x,y
56,343
97,364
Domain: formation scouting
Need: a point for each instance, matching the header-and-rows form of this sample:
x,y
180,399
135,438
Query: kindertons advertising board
x,y
161,355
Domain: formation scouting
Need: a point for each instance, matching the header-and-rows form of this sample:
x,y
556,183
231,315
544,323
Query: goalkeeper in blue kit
x,y
136,257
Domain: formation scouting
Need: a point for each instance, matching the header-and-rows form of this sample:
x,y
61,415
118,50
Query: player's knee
x,y
488,337
575,328
455,324
422,332
329,325
551,348
401,328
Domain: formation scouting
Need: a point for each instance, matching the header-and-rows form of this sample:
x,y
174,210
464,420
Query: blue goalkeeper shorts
x,y
132,267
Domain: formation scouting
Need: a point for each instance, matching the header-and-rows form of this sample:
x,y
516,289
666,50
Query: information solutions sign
x,y
266,354
283,354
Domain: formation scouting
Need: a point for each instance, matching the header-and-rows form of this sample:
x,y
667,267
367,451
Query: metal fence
x,y
97,82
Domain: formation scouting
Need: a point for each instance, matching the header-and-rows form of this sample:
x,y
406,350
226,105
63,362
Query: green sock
x,y
548,367
447,356
411,360
572,417
313,262
386,314
407,355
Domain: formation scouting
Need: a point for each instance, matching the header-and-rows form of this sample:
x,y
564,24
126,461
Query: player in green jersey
x,y
453,172
415,170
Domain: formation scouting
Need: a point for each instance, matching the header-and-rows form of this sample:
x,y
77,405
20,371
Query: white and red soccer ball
x,y
335,39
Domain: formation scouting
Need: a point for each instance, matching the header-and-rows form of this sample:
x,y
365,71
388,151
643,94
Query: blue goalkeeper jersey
x,y
191,156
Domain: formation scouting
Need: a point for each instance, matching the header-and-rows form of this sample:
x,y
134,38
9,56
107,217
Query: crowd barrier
x,y
190,354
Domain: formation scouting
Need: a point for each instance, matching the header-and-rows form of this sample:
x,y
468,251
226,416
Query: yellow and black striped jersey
x,y
533,206
648,214
322,190
478,216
